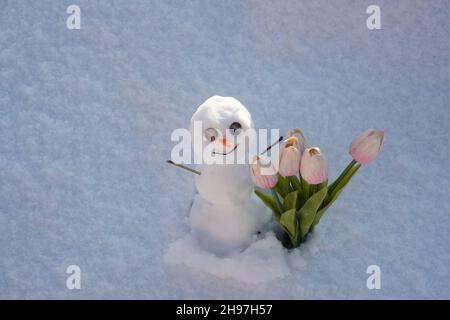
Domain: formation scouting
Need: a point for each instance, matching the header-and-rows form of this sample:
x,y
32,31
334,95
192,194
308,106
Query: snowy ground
x,y
85,124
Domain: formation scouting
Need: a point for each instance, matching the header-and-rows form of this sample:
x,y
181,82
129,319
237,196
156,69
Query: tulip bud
x,y
314,166
263,175
300,137
366,146
289,157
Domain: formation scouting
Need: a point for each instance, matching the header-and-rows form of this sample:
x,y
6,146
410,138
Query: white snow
x,y
86,118
224,228
248,266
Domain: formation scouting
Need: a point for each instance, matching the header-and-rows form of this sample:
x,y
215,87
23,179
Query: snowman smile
x,y
227,153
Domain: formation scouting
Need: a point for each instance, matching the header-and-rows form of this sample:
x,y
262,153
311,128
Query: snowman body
x,y
225,214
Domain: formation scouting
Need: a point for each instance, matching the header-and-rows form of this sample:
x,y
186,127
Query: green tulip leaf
x,y
290,201
282,186
277,200
295,182
308,212
321,211
290,223
304,194
269,202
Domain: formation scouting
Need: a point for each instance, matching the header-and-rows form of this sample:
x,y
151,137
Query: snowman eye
x,y
211,134
235,128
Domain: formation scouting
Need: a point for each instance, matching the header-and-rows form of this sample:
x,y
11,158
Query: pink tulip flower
x,y
366,146
300,137
314,166
290,157
263,174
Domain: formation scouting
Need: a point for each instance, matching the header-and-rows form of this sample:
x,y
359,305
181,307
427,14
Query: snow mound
x,y
226,228
263,261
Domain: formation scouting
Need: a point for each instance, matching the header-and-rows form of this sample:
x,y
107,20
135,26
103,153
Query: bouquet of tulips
x,y
300,193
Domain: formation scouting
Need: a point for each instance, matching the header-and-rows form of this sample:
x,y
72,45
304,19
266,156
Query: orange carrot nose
x,y
225,142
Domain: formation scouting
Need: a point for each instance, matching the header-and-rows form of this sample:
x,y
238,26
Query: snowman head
x,y
221,120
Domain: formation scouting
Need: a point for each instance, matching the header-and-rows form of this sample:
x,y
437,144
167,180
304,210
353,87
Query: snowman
x,y
225,214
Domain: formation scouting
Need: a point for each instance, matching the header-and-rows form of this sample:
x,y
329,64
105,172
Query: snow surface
x,y
249,266
85,124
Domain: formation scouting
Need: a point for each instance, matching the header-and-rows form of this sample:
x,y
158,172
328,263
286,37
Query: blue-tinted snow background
x,y
86,117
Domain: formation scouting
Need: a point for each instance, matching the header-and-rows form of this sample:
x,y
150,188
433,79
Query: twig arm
x,y
184,167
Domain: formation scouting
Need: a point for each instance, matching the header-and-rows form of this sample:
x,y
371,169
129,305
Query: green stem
x,y
341,176
345,180
322,185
